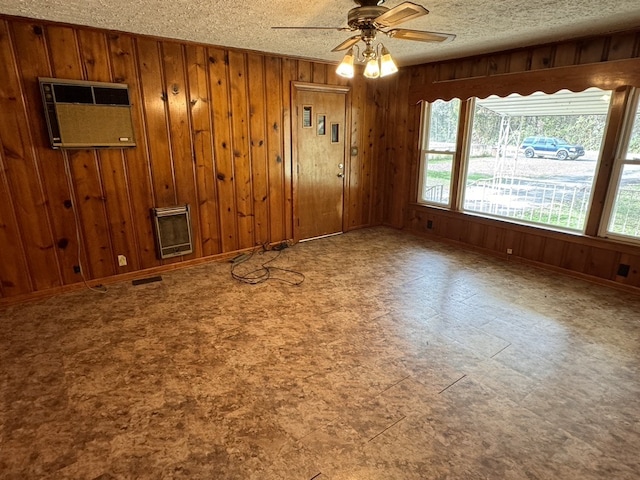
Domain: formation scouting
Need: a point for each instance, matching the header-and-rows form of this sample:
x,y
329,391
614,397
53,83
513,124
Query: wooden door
x,y
319,159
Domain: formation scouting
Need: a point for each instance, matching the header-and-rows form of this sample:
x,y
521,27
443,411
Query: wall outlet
x,y
623,270
122,260
509,251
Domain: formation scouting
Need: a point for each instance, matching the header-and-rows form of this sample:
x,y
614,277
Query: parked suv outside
x,y
551,147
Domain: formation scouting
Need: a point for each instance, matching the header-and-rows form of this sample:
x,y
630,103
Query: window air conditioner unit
x,y
83,114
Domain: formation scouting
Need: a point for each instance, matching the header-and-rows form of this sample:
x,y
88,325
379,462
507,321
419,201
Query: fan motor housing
x,y
369,3
361,17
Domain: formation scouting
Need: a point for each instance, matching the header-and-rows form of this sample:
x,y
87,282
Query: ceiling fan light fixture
x,y
387,65
345,69
372,70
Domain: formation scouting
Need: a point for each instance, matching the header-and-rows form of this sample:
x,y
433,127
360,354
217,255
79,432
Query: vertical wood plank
x,y
512,240
366,149
14,278
182,158
479,67
553,251
346,191
23,176
456,229
63,39
123,57
397,155
319,73
275,137
241,155
541,57
155,99
574,256
357,178
289,74
83,169
111,166
332,78
519,61
203,149
463,68
381,99
392,157
498,64
33,62
305,71
223,149
476,233
602,263
445,71
532,247
494,239
565,54
405,129
622,46
258,146
592,50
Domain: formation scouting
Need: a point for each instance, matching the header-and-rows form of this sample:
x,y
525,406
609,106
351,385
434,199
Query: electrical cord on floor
x,y
265,271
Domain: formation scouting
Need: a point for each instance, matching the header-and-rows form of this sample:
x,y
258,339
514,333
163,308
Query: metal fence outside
x,y
561,204
552,203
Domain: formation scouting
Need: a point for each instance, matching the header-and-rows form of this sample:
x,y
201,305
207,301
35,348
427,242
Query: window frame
x,y
620,160
465,148
598,218
423,140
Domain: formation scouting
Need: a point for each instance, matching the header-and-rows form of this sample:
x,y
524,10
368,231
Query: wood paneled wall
x,y
606,61
576,65
582,256
212,128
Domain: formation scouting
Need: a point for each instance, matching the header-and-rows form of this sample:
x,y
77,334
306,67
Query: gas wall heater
x,y
173,231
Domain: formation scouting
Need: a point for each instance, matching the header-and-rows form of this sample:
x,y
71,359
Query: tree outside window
x,y
533,159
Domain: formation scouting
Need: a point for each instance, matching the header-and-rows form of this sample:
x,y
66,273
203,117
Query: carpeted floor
x,y
397,358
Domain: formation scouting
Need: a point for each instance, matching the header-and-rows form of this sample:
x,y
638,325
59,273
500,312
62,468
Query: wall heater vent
x,y
173,231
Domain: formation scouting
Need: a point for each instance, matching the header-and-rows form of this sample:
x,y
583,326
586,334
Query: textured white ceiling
x,y
480,25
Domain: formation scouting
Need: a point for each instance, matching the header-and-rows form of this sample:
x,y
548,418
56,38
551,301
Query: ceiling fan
x,y
370,17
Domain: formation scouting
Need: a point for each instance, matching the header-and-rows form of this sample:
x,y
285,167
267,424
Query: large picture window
x,y
437,151
624,201
533,159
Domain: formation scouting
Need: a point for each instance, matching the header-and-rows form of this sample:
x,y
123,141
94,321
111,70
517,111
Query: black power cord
x,y
265,271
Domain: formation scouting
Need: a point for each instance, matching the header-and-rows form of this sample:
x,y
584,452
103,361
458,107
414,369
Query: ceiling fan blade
x,y
348,43
400,14
419,35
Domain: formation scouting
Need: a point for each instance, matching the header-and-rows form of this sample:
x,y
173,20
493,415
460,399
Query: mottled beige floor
x,y
397,358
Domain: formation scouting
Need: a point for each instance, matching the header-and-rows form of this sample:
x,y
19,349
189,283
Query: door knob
x,y
340,175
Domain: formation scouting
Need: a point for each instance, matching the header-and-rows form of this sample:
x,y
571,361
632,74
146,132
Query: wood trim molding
x,y
614,132
320,87
607,75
